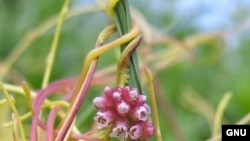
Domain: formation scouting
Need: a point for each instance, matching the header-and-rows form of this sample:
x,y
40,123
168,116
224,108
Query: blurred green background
x,y
217,67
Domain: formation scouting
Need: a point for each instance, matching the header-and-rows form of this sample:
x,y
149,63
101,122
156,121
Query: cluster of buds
x,y
126,111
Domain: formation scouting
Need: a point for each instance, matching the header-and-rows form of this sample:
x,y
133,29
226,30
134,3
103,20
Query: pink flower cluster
x,y
126,111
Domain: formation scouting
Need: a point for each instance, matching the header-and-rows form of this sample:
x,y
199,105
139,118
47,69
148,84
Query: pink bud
x,y
120,130
148,128
133,94
117,96
103,119
108,92
141,98
123,108
149,131
126,90
101,103
135,131
107,89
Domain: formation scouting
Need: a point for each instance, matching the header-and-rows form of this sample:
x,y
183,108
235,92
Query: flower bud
x,y
133,94
123,108
108,92
101,103
148,128
117,96
141,99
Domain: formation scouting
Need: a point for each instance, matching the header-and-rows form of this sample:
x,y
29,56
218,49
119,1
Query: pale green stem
x,y
154,105
245,119
52,53
22,118
4,101
16,89
13,108
219,113
15,128
56,103
27,93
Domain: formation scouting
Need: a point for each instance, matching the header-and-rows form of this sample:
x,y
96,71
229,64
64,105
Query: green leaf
x,y
124,22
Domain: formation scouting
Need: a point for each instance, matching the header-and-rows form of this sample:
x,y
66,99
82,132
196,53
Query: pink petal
x,y
103,119
135,131
120,130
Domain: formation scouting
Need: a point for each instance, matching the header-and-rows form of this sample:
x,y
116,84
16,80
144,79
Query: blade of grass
x,y
124,22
